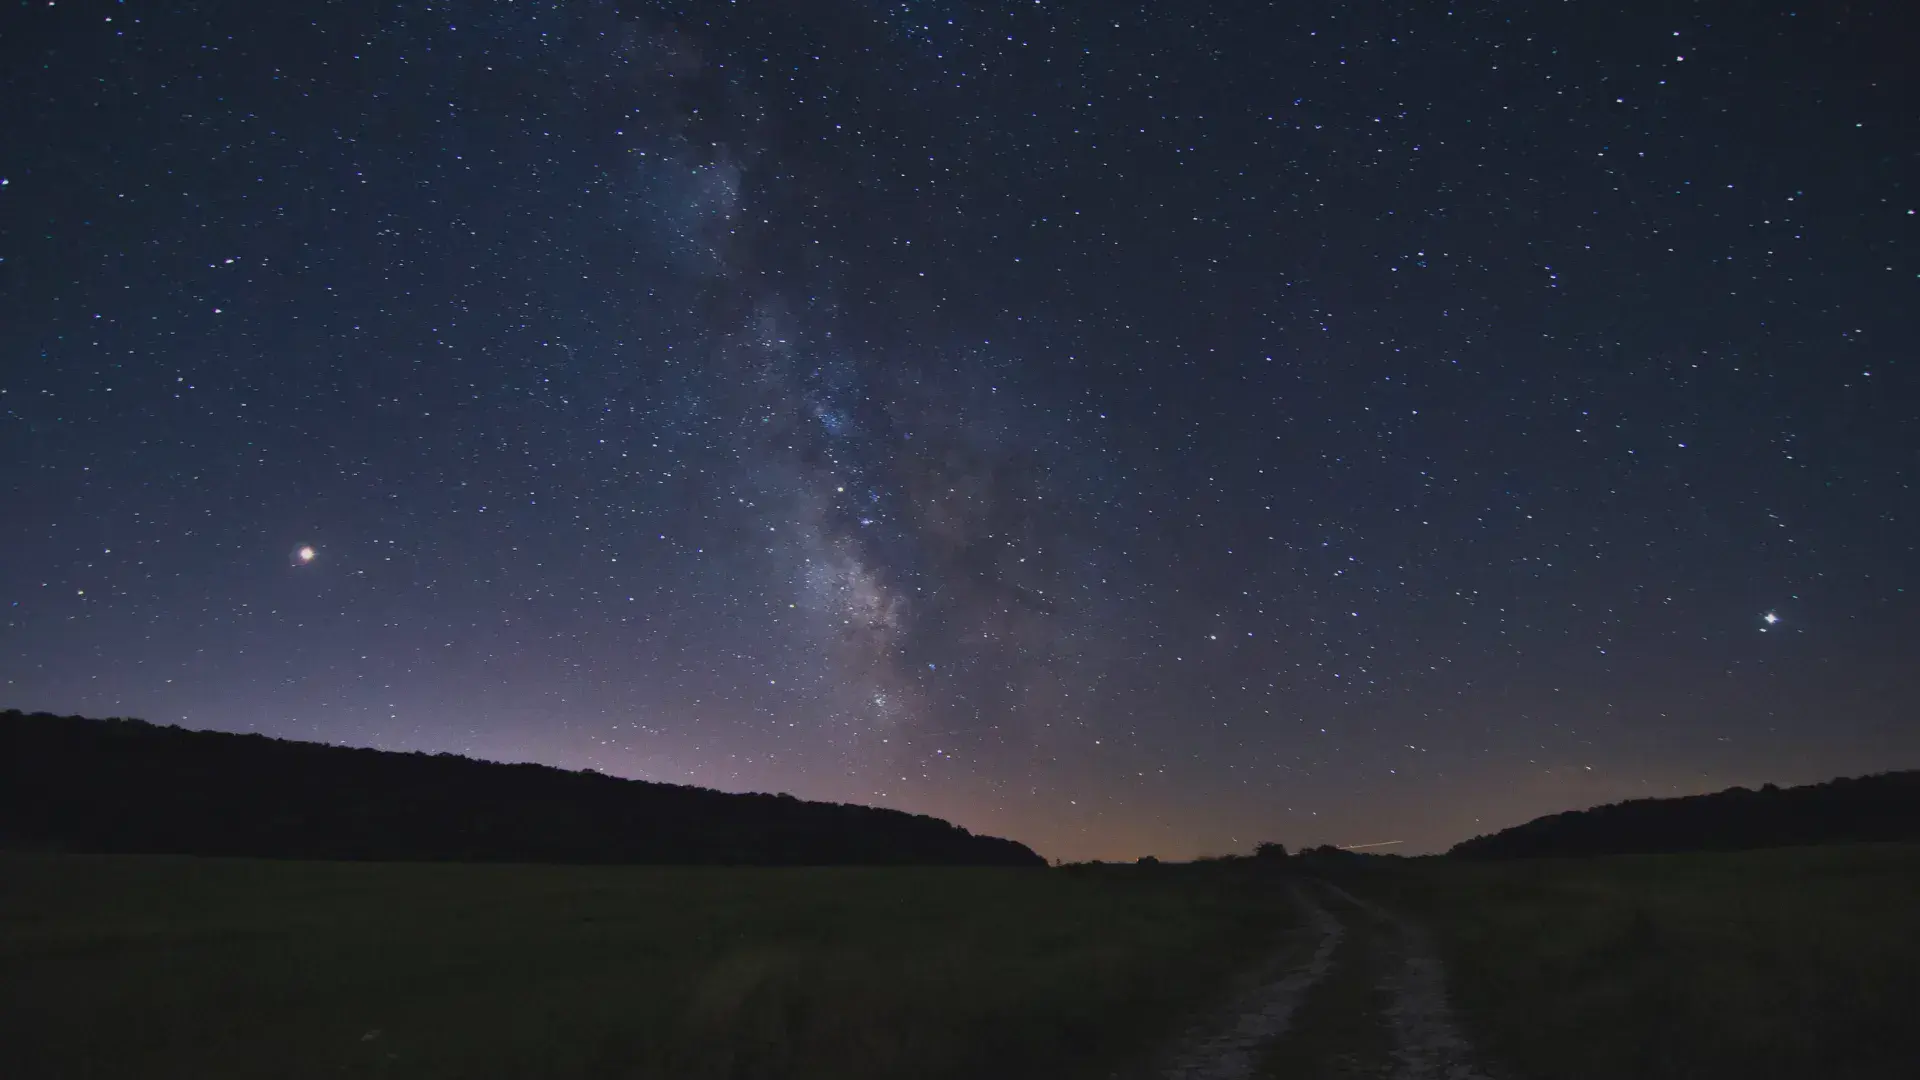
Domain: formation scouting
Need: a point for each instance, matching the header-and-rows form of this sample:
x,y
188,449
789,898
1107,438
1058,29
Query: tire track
x,y
1231,1050
1427,1044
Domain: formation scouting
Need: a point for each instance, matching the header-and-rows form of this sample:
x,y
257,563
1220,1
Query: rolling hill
x,y
1885,806
125,786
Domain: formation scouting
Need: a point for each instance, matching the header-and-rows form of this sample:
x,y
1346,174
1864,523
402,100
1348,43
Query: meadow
x,y
1783,963
1795,962
157,966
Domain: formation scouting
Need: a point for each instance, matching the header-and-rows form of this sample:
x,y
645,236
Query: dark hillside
x,y
74,784
1848,810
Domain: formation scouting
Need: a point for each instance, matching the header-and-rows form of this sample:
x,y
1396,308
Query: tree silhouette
x,y
1881,807
74,784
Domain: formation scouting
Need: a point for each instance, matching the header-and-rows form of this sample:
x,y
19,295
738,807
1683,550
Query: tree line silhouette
x,y
125,786
1885,806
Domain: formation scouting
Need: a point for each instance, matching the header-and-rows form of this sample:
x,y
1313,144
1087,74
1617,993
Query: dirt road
x,y
1360,993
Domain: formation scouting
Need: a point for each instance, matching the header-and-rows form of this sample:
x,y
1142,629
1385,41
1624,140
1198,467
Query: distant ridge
x,y
1885,806
75,784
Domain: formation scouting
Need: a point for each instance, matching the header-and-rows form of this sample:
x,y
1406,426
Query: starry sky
x,y
1130,428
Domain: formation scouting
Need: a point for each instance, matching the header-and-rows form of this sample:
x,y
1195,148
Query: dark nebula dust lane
x,y
1142,429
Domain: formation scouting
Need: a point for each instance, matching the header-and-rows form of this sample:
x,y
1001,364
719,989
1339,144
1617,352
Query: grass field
x,y
158,967
1785,963
1791,963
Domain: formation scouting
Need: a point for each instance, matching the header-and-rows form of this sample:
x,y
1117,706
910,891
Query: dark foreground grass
x,y
158,967
1787,963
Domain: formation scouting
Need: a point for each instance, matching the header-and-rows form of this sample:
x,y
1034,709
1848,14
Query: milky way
x,y
1130,431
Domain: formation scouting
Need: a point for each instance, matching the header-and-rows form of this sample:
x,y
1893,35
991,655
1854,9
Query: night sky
x,y
1129,428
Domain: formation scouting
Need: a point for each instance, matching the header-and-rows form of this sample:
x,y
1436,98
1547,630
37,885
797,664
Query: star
x,y
305,554
1770,618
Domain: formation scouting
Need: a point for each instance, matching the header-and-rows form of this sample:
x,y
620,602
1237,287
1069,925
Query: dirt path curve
x,y
1231,1049
1427,1045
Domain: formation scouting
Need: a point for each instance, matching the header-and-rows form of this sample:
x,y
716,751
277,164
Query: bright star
x,y
305,554
1770,618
